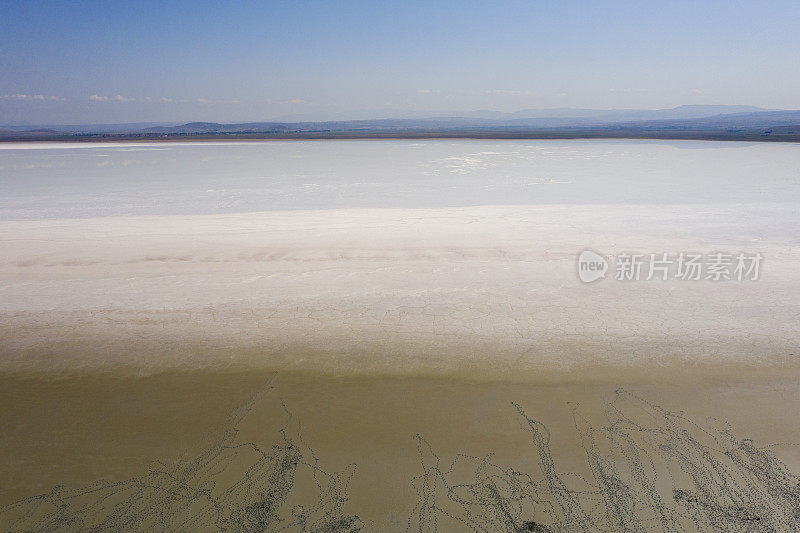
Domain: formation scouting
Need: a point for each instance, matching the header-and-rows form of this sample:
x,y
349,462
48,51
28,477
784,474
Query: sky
x,y
177,61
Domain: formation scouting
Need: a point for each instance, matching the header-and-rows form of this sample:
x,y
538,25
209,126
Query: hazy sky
x,y
90,62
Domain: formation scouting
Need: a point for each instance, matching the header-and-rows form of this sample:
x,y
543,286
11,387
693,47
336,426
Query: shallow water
x,y
89,180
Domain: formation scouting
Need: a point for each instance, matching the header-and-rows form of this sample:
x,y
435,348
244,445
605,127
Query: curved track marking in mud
x,y
649,469
230,486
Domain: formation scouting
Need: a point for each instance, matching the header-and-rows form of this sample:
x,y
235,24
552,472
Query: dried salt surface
x,y
481,292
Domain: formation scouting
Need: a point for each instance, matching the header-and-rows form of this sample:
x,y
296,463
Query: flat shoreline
x,y
753,137
596,361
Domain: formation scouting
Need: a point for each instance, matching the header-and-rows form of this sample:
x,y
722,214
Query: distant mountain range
x,y
616,115
690,122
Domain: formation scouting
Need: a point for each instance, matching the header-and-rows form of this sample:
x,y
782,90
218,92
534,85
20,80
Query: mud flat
x,y
125,429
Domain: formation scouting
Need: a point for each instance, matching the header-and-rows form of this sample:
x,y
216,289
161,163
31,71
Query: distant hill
x,y
617,115
85,128
213,127
689,122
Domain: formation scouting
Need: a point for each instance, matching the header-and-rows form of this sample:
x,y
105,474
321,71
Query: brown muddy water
x,y
382,451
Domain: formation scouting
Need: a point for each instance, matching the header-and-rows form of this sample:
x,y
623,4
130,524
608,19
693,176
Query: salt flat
x,y
399,291
398,306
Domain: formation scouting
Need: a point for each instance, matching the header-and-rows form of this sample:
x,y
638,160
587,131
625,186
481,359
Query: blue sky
x,y
90,62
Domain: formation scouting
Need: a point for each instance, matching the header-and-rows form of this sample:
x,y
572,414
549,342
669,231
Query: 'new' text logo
x,y
591,266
